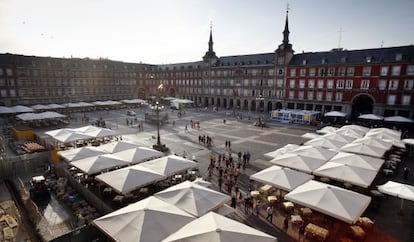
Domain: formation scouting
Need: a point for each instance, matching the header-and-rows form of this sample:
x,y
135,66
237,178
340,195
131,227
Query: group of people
x,y
206,140
227,172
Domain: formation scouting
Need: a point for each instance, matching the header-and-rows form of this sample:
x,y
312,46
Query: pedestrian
x,y
258,207
269,211
286,223
229,144
406,171
186,129
233,201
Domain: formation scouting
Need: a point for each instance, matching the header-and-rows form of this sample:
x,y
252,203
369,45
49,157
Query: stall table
x,y
288,206
365,222
272,199
255,194
357,232
306,212
296,219
316,232
265,189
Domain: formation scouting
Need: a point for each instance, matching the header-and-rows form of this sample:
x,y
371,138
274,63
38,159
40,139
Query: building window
x,y
9,72
391,99
393,85
329,96
320,83
280,60
291,94
349,84
382,84
280,72
292,72
396,70
321,71
311,83
384,71
312,71
406,99
310,95
301,83
301,94
364,84
338,96
410,70
292,83
331,71
339,84
279,83
408,84
319,96
330,84
350,71
366,71
302,72
369,59
341,71
398,57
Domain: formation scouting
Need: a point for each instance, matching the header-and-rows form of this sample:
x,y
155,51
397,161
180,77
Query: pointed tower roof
x,y
286,46
210,55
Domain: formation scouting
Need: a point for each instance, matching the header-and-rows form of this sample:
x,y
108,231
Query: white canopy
x,y
362,161
326,130
364,149
96,164
138,155
355,127
200,181
149,220
335,114
315,152
338,137
285,149
326,143
169,165
408,141
118,146
192,198
213,227
373,141
22,109
130,178
310,136
397,189
282,178
398,119
391,133
40,107
80,153
39,116
334,201
83,133
6,110
371,117
71,137
298,162
346,173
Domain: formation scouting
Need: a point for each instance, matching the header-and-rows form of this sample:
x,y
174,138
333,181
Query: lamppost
x,y
260,99
157,108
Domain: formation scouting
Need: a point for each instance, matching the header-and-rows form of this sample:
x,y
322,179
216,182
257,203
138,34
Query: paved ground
x,y
246,137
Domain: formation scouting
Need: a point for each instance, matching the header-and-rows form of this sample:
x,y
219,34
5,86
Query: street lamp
x,y
157,108
260,98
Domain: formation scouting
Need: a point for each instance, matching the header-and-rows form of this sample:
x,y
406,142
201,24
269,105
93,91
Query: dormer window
x,y
398,57
324,60
304,62
343,59
369,59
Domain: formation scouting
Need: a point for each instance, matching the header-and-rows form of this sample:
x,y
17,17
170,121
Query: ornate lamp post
x,y
157,108
260,98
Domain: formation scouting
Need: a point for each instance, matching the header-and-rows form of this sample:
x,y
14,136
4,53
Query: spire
x,y
210,55
286,31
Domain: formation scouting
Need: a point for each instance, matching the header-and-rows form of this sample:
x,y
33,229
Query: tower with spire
x,y
285,46
210,56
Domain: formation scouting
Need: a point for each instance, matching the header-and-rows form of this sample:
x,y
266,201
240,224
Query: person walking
x,y
269,211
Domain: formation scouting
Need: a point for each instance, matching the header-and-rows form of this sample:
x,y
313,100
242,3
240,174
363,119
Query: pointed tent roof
x,y
192,198
80,153
363,149
169,165
298,162
213,227
335,114
315,152
326,143
371,117
373,141
397,189
357,160
138,155
282,178
117,146
283,150
326,130
150,219
130,178
331,200
96,164
398,119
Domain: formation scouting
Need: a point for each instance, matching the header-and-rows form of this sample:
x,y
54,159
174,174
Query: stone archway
x,y
361,104
279,105
238,105
231,104
253,107
269,106
225,103
218,103
245,105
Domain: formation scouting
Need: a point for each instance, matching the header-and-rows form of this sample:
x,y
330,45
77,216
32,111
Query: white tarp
x,y
83,133
285,149
338,137
391,133
315,152
138,155
22,109
326,143
213,227
371,117
192,198
96,164
373,141
397,189
282,178
334,201
326,130
346,173
148,220
364,149
130,178
335,114
118,146
362,161
298,162
40,116
398,119
80,153
169,165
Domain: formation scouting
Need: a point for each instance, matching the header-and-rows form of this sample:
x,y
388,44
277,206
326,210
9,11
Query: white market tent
x,y
39,116
68,135
335,114
118,146
298,162
134,101
310,135
315,152
364,149
192,198
71,137
393,134
80,153
346,173
138,155
338,137
96,164
325,143
169,165
200,181
326,130
398,119
285,149
128,179
22,109
282,178
361,161
148,220
373,141
55,106
40,107
334,201
396,189
6,110
213,227
371,117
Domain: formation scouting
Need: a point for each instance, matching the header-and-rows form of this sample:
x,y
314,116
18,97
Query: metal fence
x,y
12,166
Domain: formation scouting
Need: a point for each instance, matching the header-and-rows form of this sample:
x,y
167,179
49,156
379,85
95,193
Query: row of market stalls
x,y
70,105
352,155
188,211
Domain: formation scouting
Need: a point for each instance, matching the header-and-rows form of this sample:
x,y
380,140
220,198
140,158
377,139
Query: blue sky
x,y
173,31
